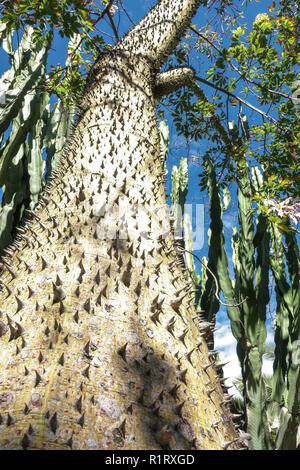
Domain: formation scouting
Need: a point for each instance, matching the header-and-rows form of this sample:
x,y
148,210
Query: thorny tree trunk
x,y
98,346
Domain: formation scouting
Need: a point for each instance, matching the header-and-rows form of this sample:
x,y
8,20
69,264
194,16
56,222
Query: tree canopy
x,y
243,68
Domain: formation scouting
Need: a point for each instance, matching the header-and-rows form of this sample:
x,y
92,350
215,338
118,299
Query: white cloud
x,y
267,367
225,344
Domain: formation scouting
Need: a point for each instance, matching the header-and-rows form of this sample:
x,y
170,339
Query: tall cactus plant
x,y
246,303
35,129
247,299
183,231
252,311
283,406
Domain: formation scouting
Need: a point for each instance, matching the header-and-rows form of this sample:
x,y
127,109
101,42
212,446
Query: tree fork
x,y
171,80
97,349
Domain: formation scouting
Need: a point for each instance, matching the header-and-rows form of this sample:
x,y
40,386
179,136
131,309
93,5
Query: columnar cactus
x,y
283,407
246,304
253,311
164,144
217,258
247,299
57,131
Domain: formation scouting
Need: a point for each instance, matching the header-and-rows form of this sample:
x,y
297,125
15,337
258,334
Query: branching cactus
x,y
248,299
246,303
178,195
34,129
27,74
273,405
254,297
283,406
99,347
218,261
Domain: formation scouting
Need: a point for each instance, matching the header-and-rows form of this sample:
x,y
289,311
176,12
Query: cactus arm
x,y
52,120
183,182
235,260
188,244
31,107
178,194
12,196
258,425
246,250
204,275
31,76
61,121
282,286
35,164
21,56
262,281
293,263
209,303
18,60
226,198
7,44
245,130
189,259
218,261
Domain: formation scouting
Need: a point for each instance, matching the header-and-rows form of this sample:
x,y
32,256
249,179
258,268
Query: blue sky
x,y
137,9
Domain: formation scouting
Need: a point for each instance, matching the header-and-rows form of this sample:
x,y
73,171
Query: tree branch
x,y
246,103
167,82
157,34
126,13
242,75
214,116
113,26
102,14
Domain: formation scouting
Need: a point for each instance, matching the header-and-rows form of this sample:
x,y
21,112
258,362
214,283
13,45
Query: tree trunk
x,y
99,349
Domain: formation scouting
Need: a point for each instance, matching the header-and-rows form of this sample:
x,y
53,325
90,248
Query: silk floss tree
x,y
100,345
